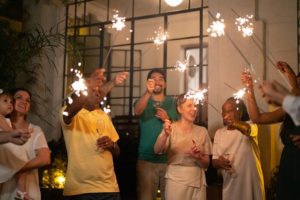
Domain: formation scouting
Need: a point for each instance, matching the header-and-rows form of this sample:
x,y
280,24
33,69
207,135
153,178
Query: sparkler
x,y
79,86
245,25
264,51
65,113
160,36
252,71
197,95
180,66
118,22
106,108
239,95
216,29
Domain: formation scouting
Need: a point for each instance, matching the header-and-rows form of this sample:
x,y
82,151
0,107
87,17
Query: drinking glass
x,y
231,171
100,127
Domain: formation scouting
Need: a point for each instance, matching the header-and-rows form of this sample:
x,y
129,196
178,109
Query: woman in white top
x,y
188,147
36,148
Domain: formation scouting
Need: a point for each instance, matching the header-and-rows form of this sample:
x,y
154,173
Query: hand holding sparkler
x,y
150,85
287,71
120,78
247,80
194,150
273,92
162,143
223,162
161,114
167,127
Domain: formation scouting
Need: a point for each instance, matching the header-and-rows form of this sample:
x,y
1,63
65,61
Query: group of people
x,y
173,152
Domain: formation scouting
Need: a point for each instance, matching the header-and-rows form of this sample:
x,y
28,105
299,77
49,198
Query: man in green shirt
x,y
153,108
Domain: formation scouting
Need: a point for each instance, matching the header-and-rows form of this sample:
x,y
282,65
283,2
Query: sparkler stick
x,y
214,108
240,94
233,43
265,51
118,23
109,50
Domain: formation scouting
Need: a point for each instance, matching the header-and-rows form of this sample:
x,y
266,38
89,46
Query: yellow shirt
x,y
89,170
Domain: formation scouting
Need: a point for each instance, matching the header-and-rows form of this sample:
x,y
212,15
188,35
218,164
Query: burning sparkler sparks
x,y
239,95
252,71
245,25
106,108
160,36
79,86
216,29
180,66
118,22
197,95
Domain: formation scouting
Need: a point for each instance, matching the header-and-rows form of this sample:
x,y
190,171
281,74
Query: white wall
x,y
48,15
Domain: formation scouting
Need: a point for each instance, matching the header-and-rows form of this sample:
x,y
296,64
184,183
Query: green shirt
x,y
151,126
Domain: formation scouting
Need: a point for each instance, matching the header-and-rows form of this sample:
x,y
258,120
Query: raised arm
x,y
117,80
287,71
141,105
74,108
255,115
161,142
273,92
243,127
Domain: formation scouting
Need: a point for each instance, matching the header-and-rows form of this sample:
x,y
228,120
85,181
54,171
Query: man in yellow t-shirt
x,y
90,139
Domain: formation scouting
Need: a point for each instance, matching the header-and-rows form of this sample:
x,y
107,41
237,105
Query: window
x,y
94,43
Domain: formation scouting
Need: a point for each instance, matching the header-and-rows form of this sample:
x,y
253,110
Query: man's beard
x,y
158,90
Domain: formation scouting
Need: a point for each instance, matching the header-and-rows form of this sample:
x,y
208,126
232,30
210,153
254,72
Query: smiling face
x,y
187,109
6,104
159,82
230,112
22,102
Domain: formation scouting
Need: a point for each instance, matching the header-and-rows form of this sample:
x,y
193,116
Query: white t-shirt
x,y
26,153
247,181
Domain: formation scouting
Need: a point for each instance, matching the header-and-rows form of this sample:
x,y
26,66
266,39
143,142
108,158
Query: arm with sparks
x,y
73,108
255,115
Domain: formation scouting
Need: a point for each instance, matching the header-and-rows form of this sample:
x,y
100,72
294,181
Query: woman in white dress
x,y
188,147
36,148
236,154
